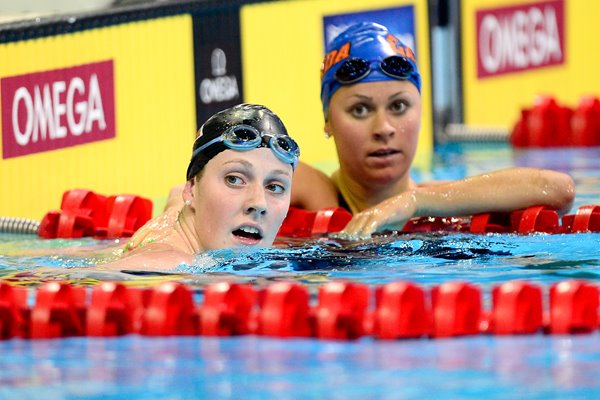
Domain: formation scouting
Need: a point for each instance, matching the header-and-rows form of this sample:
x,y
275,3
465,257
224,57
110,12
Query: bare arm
x,y
504,190
312,189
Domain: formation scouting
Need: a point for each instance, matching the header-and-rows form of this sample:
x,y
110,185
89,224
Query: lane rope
x,y
341,311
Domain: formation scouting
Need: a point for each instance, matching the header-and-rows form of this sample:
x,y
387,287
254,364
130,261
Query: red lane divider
x,y
115,309
66,225
284,311
85,213
491,223
537,219
586,219
342,310
546,124
573,307
81,211
227,310
517,309
550,124
330,220
126,215
456,309
14,314
59,311
401,311
302,223
171,311
585,122
435,224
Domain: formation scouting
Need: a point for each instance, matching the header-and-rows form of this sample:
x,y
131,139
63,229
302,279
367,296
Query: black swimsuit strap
x,y
343,203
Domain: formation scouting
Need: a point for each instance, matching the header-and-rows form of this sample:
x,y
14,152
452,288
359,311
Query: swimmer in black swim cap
x,y
243,127
237,191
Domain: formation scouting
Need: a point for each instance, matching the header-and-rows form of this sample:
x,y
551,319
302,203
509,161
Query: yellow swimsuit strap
x,y
345,193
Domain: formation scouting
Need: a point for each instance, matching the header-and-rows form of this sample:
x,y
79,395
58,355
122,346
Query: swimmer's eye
x,y
276,188
234,180
359,110
398,106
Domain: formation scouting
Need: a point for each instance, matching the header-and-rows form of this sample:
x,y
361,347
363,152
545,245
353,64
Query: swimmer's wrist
x,y
421,201
405,206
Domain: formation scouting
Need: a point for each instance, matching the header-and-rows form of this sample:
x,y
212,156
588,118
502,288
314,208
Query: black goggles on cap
x,y
354,69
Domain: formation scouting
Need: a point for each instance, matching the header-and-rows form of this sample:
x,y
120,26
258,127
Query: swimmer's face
x,y
376,128
241,199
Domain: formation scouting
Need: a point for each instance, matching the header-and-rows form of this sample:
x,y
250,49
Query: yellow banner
x,y
514,50
154,113
282,51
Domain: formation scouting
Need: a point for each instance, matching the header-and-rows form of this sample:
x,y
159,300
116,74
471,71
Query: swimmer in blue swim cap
x,y
237,192
371,98
366,52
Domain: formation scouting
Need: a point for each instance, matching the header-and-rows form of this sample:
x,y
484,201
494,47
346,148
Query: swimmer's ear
x,y
327,129
188,194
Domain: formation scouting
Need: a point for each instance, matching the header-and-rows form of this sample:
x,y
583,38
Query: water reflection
x,y
255,367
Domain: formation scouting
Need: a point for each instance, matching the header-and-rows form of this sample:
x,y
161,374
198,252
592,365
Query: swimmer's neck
x,y
187,239
364,195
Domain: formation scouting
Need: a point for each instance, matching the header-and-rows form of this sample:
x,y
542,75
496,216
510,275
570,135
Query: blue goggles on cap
x,y
245,137
365,52
355,69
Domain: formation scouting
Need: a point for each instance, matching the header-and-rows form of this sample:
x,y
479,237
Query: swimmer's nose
x,y
383,130
256,210
257,201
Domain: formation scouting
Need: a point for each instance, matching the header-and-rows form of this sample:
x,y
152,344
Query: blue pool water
x,y
535,366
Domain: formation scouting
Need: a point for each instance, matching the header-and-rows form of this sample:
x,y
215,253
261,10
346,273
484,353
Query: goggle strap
x,y
287,156
206,145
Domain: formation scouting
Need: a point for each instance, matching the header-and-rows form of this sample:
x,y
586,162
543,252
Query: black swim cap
x,y
254,115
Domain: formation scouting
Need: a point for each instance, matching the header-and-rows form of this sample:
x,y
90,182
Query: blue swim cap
x,y
368,41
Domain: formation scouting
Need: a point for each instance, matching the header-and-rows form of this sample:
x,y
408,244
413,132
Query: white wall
x,y
50,6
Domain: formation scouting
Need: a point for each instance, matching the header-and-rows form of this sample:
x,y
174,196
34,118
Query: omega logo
x,y
221,87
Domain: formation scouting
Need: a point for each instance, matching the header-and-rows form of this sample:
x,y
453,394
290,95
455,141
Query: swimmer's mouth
x,y
248,232
384,153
